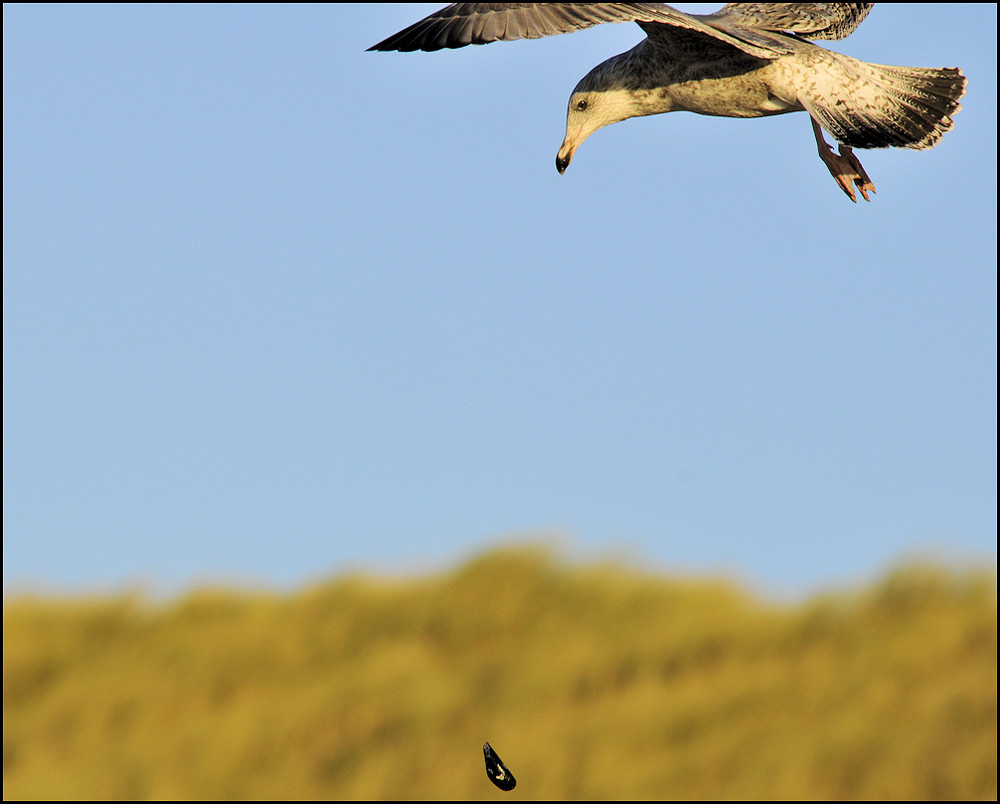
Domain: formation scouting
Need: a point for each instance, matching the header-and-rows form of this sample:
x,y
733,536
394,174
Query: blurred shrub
x,y
591,682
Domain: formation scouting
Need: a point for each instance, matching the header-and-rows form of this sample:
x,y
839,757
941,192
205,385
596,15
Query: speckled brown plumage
x,y
745,60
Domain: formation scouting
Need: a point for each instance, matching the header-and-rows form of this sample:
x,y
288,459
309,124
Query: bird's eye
x,y
581,105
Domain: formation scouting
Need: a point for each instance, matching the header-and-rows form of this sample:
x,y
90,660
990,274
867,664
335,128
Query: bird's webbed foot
x,y
845,167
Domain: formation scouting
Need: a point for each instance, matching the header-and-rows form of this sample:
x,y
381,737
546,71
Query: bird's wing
x,y
462,24
808,20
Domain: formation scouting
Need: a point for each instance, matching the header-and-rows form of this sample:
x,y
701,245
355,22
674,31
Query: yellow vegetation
x,y
590,682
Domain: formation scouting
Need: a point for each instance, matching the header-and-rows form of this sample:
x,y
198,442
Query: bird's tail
x,y
883,106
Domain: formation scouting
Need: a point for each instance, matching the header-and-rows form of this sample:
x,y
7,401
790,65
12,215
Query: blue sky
x,y
275,306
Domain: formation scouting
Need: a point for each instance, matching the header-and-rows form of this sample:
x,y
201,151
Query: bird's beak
x,y
565,155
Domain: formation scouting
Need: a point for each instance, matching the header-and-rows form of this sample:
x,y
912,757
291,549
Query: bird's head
x,y
599,100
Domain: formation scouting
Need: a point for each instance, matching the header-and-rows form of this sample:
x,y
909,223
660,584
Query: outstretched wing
x,y
808,20
462,24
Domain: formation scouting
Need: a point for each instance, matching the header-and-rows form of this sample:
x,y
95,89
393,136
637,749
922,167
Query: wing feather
x,y
808,20
462,24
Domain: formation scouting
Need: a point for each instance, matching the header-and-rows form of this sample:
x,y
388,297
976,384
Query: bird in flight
x,y
745,60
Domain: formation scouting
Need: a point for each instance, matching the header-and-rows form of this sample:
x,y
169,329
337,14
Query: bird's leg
x,y
845,168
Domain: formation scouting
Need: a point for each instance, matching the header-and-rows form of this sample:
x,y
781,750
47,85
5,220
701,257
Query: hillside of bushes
x,y
590,681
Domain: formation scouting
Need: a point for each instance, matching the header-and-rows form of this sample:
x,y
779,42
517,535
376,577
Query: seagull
x,y
745,60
